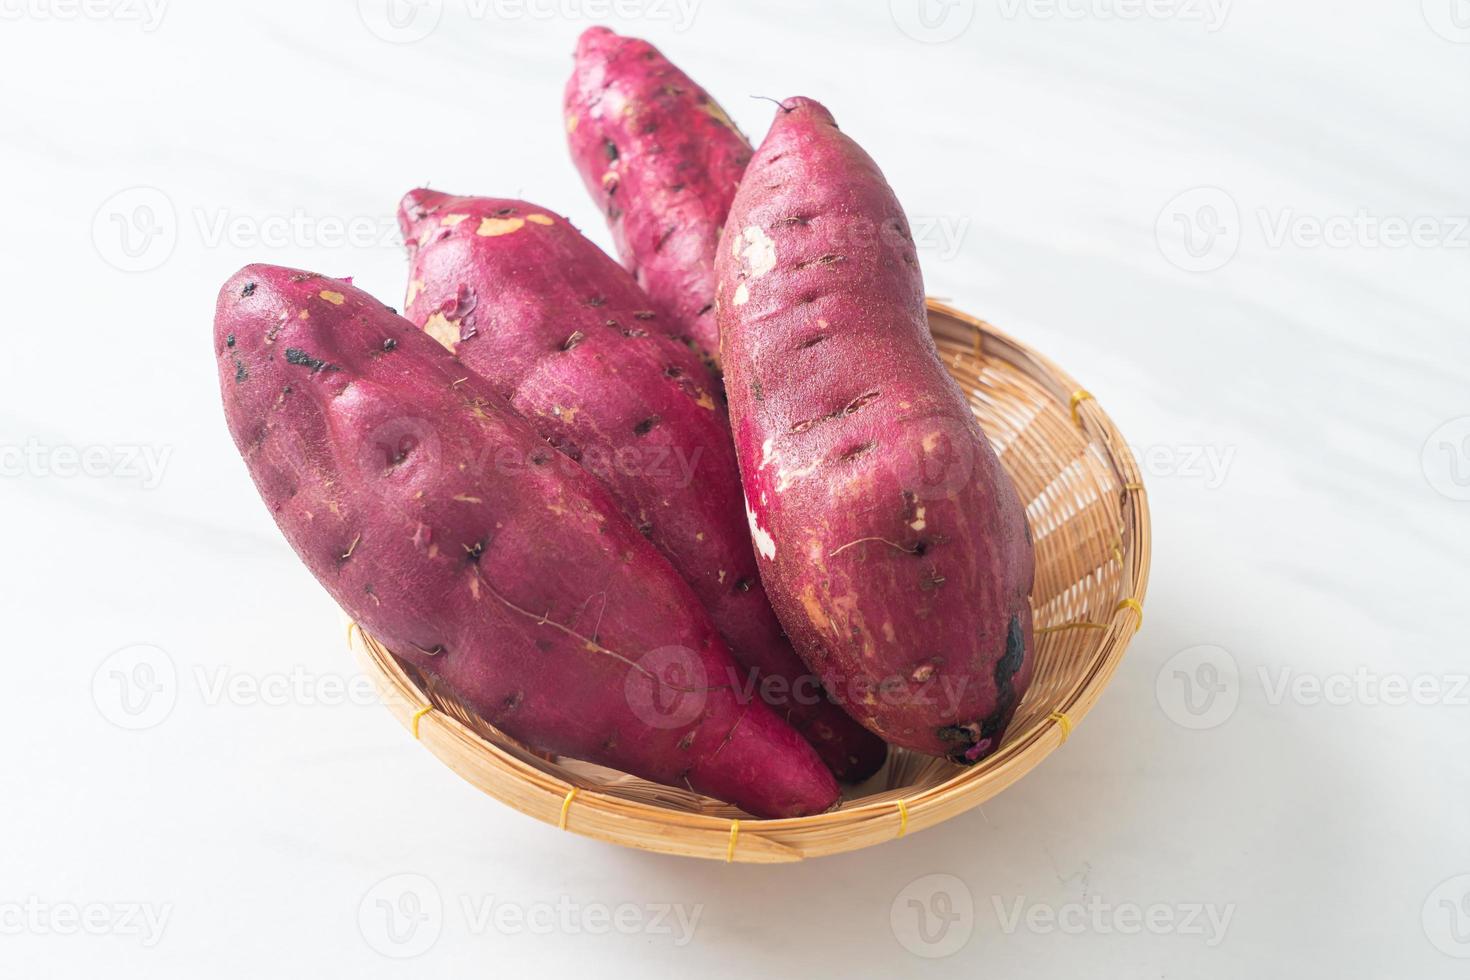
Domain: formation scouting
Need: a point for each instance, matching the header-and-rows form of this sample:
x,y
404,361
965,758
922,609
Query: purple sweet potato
x,y
438,520
663,160
894,547
564,334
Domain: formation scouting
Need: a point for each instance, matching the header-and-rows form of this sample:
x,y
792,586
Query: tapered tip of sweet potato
x,y
595,40
799,107
767,769
416,206
255,280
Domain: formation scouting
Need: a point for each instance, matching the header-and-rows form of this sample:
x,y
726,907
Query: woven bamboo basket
x,y
1089,519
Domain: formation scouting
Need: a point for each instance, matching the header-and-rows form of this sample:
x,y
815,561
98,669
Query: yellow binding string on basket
x,y
1060,717
734,836
1078,397
414,722
351,625
566,806
903,818
1133,604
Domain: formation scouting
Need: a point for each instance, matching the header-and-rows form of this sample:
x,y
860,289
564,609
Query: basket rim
x,y
569,806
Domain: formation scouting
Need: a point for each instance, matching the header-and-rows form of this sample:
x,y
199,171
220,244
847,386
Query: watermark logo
x,y
136,230
667,687
934,916
932,21
401,21
1447,917
1446,459
136,687
1199,230
401,916
1450,19
1199,688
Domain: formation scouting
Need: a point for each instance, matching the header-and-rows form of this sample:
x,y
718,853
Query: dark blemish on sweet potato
x,y
866,398
664,238
299,357
474,551
794,219
687,742
1015,652
596,301
230,341
240,373
539,458
744,585
705,309
673,371
813,341
249,289
984,740
854,452
646,529
830,259
573,339
611,149
513,700
758,392
502,212
920,548
646,426
956,733
389,344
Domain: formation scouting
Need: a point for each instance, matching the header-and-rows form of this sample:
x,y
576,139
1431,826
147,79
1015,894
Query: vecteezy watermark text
x,y
404,915
148,14
34,916
143,464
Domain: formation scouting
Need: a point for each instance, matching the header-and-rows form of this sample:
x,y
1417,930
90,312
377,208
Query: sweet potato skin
x,y
564,334
894,547
432,515
663,161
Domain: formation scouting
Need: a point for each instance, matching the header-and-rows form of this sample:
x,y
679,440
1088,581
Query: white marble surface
x,y
1296,401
